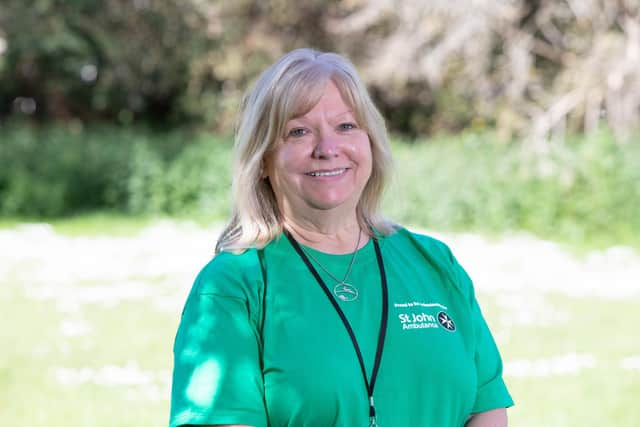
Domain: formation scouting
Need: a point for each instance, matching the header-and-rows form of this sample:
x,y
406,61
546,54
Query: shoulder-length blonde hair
x,y
287,89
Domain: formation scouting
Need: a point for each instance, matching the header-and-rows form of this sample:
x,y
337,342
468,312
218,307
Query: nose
x,y
326,146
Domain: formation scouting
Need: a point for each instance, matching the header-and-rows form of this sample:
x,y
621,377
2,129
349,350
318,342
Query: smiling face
x,y
322,162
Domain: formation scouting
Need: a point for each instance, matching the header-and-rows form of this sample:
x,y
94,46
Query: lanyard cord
x,y
383,321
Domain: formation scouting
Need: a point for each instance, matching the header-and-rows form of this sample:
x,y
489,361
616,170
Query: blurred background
x,y
515,130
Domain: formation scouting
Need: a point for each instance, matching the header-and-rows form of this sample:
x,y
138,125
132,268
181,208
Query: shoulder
x,y
230,274
404,238
434,252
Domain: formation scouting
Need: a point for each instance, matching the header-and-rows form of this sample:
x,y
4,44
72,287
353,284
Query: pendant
x,y
345,292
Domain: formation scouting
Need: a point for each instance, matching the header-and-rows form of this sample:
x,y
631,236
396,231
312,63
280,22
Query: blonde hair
x,y
287,89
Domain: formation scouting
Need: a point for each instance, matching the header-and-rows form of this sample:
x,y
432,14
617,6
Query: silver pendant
x,y
345,292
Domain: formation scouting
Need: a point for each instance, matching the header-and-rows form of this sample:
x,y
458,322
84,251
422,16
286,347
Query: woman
x,y
316,311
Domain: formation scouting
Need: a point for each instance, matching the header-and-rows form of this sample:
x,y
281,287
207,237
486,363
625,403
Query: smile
x,y
327,173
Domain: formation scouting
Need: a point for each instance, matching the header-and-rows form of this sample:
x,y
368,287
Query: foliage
x,y
91,59
530,68
533,68
56,170
194,180
584,190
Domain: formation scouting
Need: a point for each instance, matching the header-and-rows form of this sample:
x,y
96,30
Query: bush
x,y
57,170
584,191
193,180
60,170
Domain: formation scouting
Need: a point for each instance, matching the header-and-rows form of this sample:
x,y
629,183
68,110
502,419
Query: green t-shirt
x,y
260,344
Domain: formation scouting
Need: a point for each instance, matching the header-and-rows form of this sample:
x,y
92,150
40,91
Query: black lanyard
x,y
369,384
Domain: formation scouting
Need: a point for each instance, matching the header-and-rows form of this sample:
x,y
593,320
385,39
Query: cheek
x,y
289,158
366,155
359,149
369,164
285,160
284,166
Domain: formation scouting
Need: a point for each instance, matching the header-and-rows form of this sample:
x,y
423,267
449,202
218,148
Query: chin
x,y
329,204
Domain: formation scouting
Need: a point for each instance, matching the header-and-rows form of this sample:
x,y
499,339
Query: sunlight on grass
x,y
112,224
95,304
109,224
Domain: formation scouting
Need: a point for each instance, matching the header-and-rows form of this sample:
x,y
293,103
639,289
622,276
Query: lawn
x,y
91,309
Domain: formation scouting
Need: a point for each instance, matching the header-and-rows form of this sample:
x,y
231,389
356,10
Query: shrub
x,y
193,180
57,170
60,170
584,191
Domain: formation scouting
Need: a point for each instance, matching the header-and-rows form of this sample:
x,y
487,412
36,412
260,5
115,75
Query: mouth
x,y
332,172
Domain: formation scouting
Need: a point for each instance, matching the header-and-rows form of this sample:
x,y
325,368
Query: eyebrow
x,y
346,112
351,112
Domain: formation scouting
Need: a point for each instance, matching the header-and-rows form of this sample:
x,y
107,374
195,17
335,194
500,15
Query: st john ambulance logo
x,y
446,321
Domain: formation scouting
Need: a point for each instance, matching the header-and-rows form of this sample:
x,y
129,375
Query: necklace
x,y
342,290
369,383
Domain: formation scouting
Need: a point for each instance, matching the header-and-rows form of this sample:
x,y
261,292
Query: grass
x,y
98,223
34,351
604,395
102,223
135,334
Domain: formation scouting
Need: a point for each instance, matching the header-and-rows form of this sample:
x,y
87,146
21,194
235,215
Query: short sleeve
x,y
492,391
217,375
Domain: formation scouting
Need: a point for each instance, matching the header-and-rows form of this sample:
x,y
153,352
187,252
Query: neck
x,y
336,237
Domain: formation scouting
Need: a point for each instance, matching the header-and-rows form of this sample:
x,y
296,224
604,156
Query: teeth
x,y
331,173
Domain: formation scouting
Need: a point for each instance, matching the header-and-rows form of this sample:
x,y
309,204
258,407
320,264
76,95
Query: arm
x,y
217,378
492,418
492,396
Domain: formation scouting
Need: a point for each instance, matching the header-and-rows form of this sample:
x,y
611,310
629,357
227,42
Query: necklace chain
x,y
348,273
368,382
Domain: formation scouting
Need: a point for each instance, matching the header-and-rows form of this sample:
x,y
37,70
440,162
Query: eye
x,y
347,126
297,132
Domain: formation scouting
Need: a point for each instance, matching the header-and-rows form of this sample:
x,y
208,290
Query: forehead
x,y
306,95
328,100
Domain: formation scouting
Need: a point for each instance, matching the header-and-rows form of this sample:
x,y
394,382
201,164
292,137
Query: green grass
x,y
8,223
33,349
99,223
135,331
105,223
604,395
